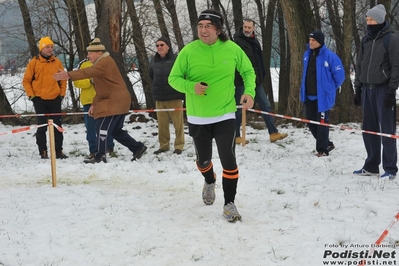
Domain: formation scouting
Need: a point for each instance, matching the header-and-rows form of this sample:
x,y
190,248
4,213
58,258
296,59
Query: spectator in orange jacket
x,y
46,94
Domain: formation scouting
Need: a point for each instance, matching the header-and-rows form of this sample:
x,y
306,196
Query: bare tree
x,y
266,26
5,109
298,36
335,23
237,14
160,18
81,31
284,75
316,10
344,99
109,30
142,56
28,28
192,13
215,4
171,7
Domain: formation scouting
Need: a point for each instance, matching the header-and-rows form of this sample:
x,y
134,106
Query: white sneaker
x,y
208,193
230,213
363,172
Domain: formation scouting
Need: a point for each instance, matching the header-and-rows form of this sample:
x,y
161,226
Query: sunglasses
x,y
160,45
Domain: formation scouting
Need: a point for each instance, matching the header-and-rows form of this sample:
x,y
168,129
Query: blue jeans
x,y
91,132
264,103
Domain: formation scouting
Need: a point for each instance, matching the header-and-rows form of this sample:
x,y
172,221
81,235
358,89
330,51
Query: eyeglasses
x,y
207,26
160,45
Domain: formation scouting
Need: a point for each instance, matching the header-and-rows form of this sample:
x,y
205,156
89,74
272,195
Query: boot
x,y
277,136
239,140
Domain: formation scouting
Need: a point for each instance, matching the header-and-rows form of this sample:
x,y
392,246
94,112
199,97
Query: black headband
x,y
212,17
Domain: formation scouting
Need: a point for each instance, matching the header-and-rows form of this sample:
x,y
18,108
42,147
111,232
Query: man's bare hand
x,y
246,101
61,75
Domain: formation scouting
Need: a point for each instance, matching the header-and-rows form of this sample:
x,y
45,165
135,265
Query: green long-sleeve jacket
x,y
215,65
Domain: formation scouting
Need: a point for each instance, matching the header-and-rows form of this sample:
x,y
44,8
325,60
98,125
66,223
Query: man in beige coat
x,y
111,103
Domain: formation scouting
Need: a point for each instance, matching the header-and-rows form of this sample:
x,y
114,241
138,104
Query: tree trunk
x,y
308,20
316,9
160,18
216,5
284,77
267,33
5,109
297,36
344,99
237,14
332,7
171,7
34,50
192,13
142,56
109,31
81,31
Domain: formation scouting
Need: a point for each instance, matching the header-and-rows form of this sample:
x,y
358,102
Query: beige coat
x,y
112,96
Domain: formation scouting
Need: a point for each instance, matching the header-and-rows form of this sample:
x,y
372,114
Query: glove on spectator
x,y
390,100
357,100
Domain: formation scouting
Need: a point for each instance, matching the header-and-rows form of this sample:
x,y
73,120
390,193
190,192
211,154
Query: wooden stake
x,y
243,124
52,152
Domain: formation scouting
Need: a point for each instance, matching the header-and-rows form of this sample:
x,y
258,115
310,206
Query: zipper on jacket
x,y
371,57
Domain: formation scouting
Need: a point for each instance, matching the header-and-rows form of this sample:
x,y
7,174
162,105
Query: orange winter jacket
x,y
39,81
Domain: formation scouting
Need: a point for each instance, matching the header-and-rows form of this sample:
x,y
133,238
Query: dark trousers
x,y
112,126
45,107
91,132
377,118
264,104
224,135
320,133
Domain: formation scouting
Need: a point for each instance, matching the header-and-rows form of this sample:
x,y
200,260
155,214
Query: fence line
x,y
183,109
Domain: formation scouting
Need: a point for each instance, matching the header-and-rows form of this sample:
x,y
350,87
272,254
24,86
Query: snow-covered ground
x,y
296,207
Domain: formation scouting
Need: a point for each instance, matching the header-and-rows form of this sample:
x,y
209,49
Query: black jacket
x,y
251,47
377,65
159,71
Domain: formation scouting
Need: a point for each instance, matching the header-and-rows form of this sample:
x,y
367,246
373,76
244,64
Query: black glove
x,y
61,97
390,100
357,100
34,99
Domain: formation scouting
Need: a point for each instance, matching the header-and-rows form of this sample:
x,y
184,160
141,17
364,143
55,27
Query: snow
x,y
295,206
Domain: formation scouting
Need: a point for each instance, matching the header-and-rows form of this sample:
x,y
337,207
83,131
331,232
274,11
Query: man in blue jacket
x,y
322,75
376,82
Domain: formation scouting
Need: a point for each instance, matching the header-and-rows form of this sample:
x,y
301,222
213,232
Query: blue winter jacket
x,y
330,75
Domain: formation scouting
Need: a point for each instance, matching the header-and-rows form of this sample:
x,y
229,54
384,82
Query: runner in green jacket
x,y
204,70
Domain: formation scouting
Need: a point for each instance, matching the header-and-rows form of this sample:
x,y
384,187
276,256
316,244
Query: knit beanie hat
x,y
44,42
165,40
95,46
377,13
211,15
318,36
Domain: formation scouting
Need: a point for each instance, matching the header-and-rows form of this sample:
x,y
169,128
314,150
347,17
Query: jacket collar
x,y
104,55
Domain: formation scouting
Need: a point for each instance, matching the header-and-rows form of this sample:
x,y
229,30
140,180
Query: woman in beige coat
x,y
111,103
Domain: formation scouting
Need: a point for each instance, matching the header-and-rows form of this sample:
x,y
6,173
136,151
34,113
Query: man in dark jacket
x,y
376,82
166,97
245,38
